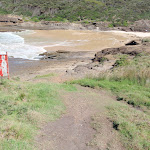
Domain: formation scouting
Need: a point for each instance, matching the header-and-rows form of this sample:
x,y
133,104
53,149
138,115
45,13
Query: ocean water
x,y
23,45
16,47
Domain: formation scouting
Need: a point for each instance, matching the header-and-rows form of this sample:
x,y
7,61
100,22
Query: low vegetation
x,y
118,12
130,82
146,40
133,126
23,108
46,75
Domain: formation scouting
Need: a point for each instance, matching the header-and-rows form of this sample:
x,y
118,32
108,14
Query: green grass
x,y
133,126
146,40
24,107
133,94
133,123
129,81
46,75
3,11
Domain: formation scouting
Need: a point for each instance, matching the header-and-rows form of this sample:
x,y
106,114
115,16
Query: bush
x,y
123,61
145,40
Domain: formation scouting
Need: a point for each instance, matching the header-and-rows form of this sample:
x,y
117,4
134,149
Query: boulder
x,y
10,18
133,42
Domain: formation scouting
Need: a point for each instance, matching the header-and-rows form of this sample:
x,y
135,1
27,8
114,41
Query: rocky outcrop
x,y
10,19
106,59
141,25
51,25
132,48
60,54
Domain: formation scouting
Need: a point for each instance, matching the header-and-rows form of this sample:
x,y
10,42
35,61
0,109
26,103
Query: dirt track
x,y
84,126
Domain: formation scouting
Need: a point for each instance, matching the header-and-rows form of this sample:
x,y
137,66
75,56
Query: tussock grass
x,y
23,108
136,71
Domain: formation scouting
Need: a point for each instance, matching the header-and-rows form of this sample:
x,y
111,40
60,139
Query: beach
x,y
87,42
73,40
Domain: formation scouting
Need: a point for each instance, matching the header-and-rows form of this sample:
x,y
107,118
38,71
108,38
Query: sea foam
x,y
16,47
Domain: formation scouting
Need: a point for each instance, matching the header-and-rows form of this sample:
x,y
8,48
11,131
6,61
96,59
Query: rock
x,y
62,51
129,50
70,71
10,18
133,42
61,54
132,48
102,59
81,69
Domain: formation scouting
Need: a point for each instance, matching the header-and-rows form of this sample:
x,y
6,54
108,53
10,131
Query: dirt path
x,y
84,126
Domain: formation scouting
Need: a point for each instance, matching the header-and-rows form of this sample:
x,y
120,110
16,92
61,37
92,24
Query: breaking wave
x,y
17,48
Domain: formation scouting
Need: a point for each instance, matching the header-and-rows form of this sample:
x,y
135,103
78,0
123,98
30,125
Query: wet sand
x,y
71,40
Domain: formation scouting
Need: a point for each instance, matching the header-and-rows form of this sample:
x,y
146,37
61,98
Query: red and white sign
x,y
4,69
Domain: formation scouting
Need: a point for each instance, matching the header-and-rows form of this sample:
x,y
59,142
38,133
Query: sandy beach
x,y
72,40
89,42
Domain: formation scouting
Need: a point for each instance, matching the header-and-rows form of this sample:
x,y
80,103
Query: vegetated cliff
x,y
118,12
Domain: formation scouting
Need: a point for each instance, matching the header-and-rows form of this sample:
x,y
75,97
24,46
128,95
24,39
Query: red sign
x,y
4,69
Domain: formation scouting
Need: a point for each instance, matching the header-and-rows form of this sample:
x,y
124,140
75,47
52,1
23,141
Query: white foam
x,y
26,32
16,47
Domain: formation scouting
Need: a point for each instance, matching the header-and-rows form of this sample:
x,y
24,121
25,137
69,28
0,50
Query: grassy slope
x,y
23,108
131,114
116,11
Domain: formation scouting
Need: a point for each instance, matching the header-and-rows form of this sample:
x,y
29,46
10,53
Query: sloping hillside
x,y
116,11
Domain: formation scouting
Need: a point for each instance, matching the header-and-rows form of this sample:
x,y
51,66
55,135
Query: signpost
x,y
4,68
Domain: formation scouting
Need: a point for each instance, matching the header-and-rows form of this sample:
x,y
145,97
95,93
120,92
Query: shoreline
x,y
27,69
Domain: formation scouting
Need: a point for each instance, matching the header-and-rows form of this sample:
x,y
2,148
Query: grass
x,y
133,125
46,75
23,108
130,83
133,94
146,40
